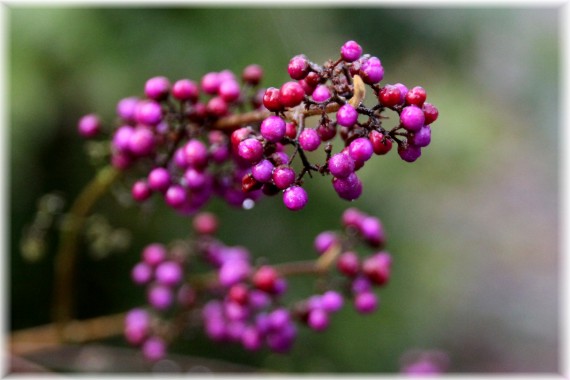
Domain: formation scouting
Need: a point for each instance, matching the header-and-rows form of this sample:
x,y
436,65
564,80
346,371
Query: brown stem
x,y
66,255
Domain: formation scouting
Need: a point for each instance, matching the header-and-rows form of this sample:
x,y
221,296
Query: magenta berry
x,y
229,90
160,297
252,74
154,254
318,319
349,188
251,150
205,223
348,263
168,273
291,94
210,83
412,118
371,71
409,152
185,89
154,349
309,139
262,171
196,153
157,88
283,176
89,126
360,149
148,112
159,179
324,241
217,106
175,196
346,115
350,51
273,128
365,302
126,108
341,165
295,198
141,142
321,93
141,273
298,67
331,301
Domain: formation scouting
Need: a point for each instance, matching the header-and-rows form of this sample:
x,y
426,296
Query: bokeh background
x,y
472,225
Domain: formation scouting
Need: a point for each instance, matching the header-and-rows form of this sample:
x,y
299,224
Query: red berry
x,y
313,79
239,294
416,96
430,113
271,99
291,94
380,144
377,268
239,135
291,130
248,183
390,96
298,67
265,279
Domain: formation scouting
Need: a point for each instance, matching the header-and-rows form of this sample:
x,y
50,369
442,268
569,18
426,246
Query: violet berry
x,y
298,67
412,118
409,152
283,176
262,172
154,349
349,188
371,71
89,126
346,115
309,139
157,88
331,301
159,179
350,51
141,273
360,149
318,319
291,94
273,128
422,138
295,198
154,254
251,150
148,112
160,297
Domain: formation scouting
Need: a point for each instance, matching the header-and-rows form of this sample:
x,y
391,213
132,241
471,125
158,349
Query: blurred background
x,y
472,225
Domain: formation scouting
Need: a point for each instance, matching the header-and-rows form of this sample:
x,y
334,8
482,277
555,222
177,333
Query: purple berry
x,y
341,165
89,126
251,339
251,150
331,301
283,176
324,241
350,51
360,149
278,319
157,88
371,71
122,138
233,271
160,297
141,273
321,93
422,138
142,142
185,89
154,254
262,172
175,196
195,179
159,179
409,152
318,319
348,188
126,108
365,302
346,116
217,106
169,273
372,231
412,118
273,128
210,83
298,67
154,349
295,198
148,112
140,191
196,153
309,139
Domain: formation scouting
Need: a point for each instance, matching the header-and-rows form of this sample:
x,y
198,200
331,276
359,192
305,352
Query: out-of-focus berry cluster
x,y
243,303
174,136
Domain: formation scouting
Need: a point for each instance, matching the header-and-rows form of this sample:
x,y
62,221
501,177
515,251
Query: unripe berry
x,y
239,294
412,118
265,278
380,145
295,198
346,116
309,139
298,67
313,79
273,128
89,126
291,130
403,92
326,131
416,96
377,268
271,99
350,51
291,94
185,89
252,74
157,88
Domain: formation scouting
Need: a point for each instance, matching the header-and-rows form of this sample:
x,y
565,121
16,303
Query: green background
x,y
472,225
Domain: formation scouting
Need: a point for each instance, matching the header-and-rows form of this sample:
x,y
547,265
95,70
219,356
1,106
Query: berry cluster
x,y
196,139
243,303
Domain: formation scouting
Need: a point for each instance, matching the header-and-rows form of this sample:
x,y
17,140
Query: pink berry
x,y
350,51
89,126
412,118
185,89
